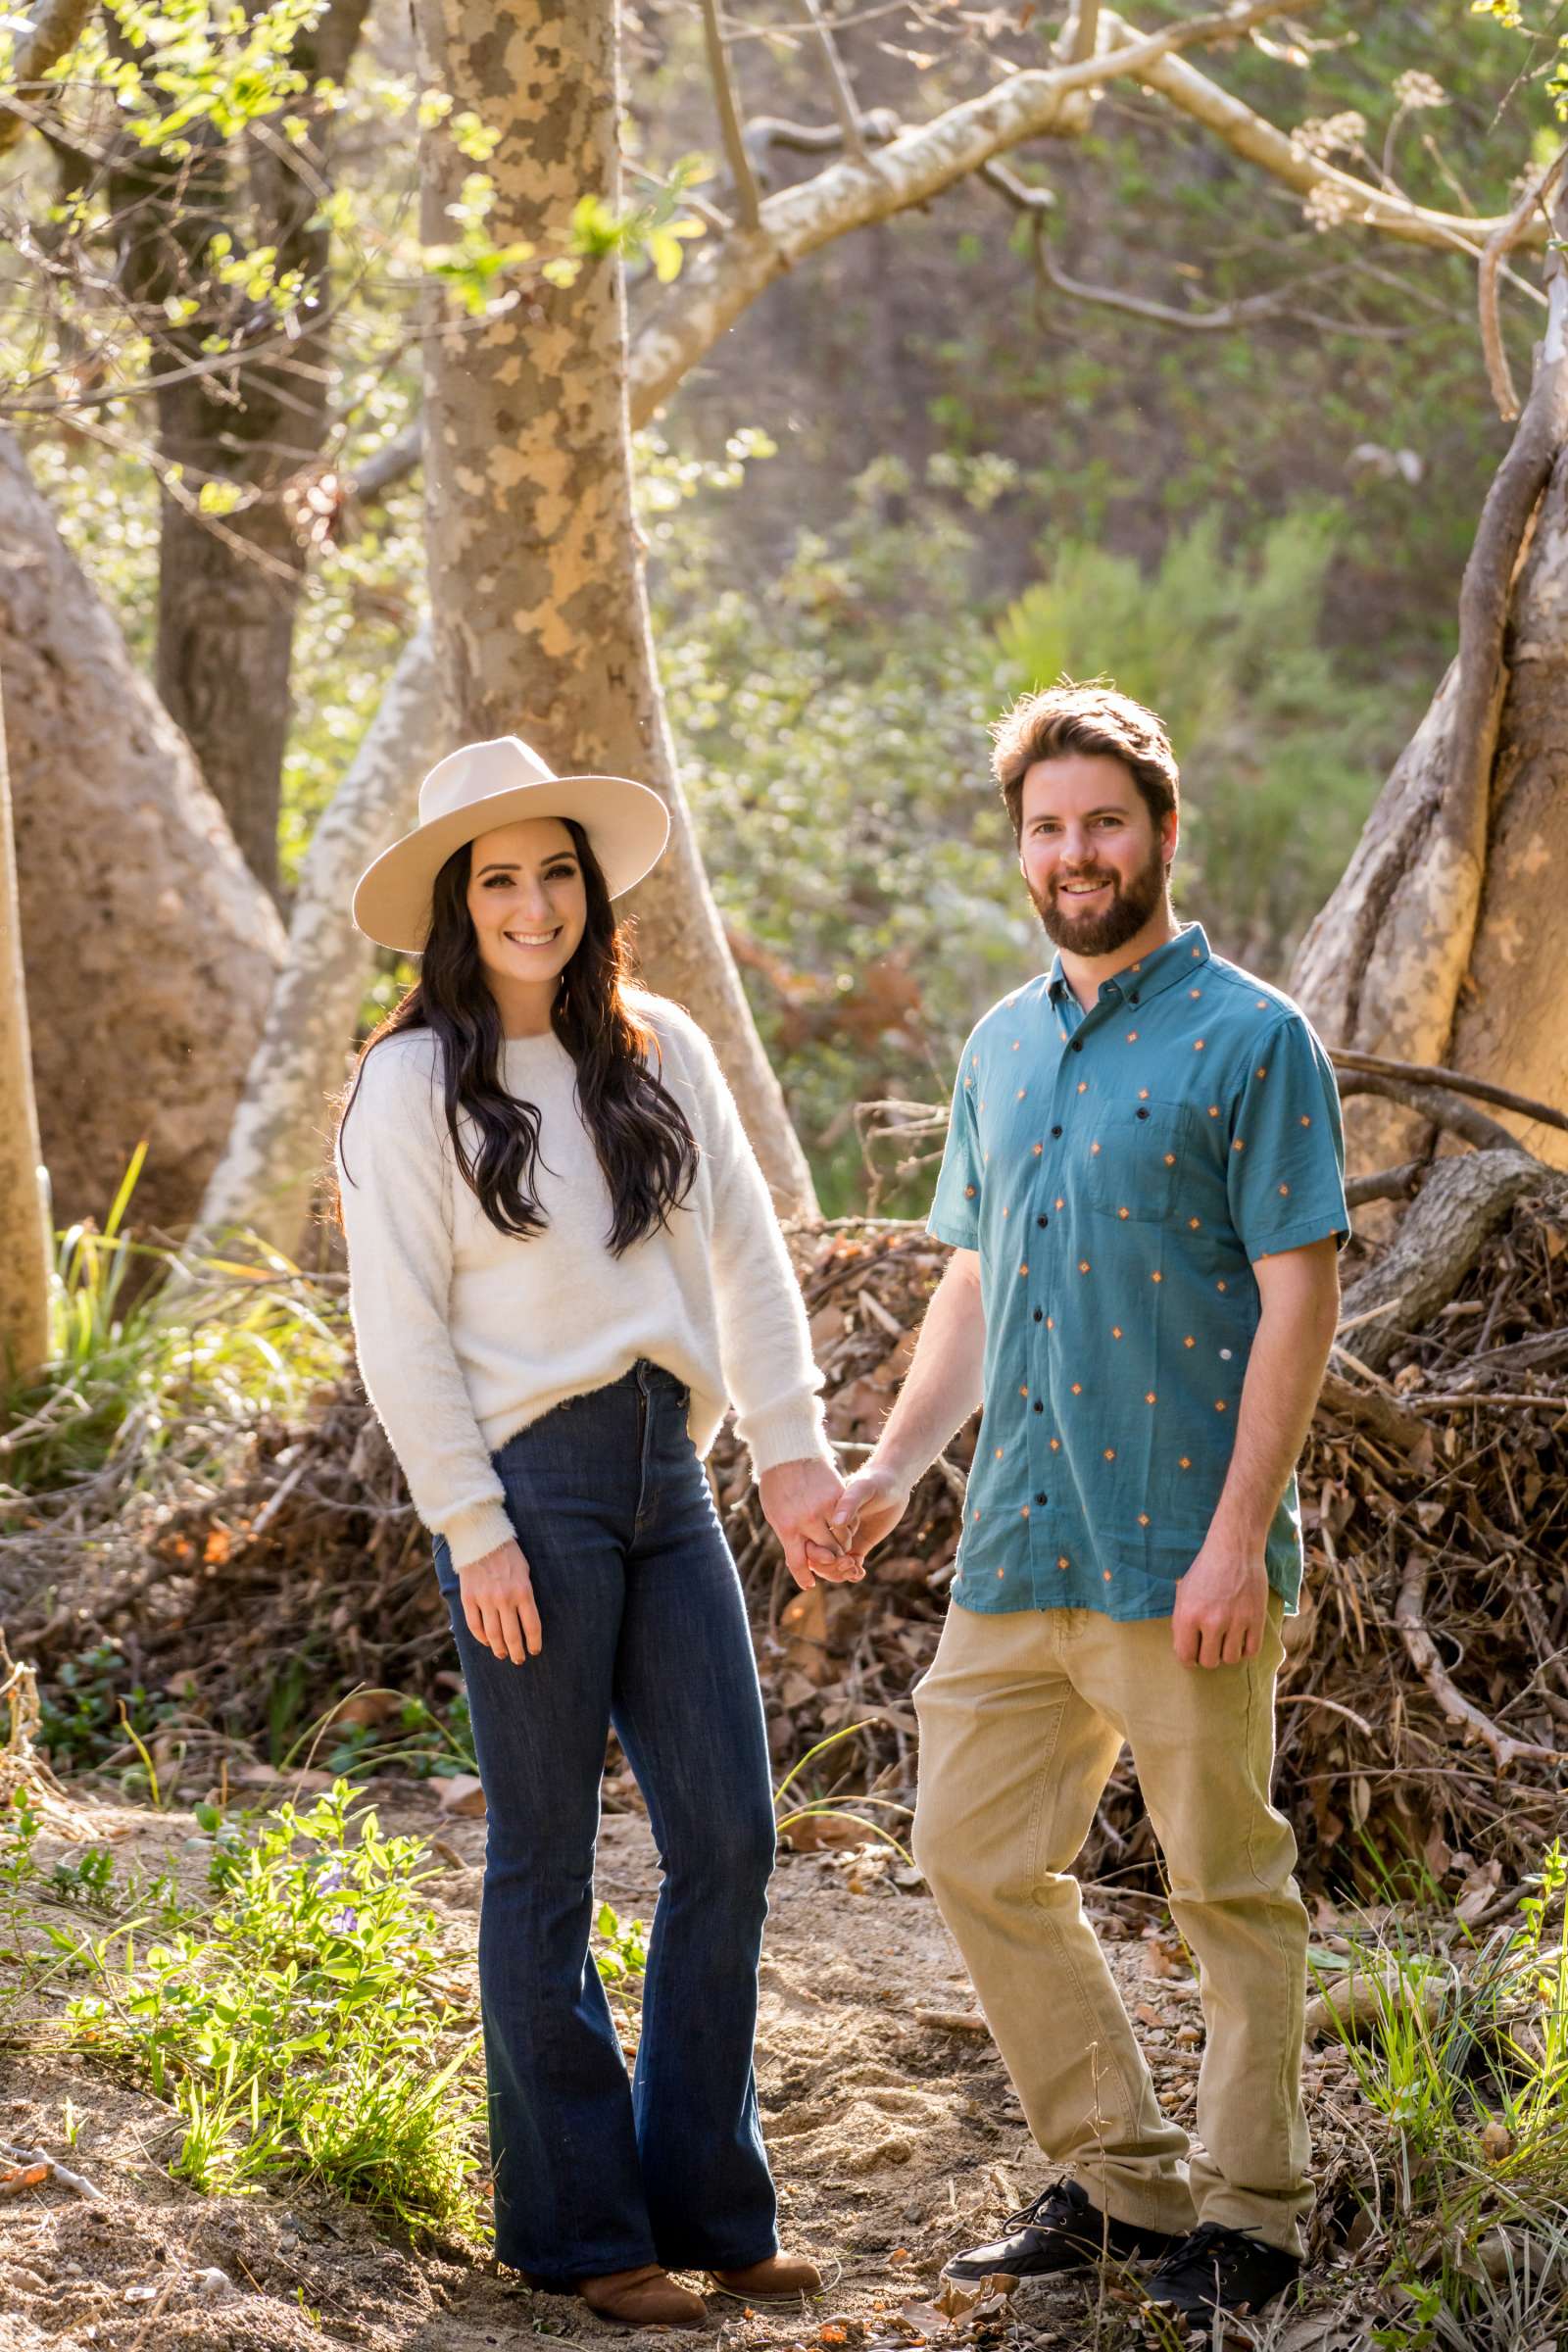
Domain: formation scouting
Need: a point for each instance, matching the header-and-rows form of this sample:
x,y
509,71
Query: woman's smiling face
x,y
528,905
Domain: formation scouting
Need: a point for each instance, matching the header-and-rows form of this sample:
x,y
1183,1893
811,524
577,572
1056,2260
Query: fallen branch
x,y
1422,1652
1436,1106
1362,2000
1379,1416
1385,1184
1457,1082
34,2160
1516,1398
1464,1200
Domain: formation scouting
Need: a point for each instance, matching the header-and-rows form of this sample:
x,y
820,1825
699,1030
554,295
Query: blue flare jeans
x,y
644,1629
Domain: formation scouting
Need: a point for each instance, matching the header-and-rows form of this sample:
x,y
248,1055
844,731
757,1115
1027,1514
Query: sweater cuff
x,y
790,1432
475,1529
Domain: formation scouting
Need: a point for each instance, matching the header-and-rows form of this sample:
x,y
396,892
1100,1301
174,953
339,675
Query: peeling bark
x,y
277,1145
24,1224
537,596
149,948
1509,1020
1420,950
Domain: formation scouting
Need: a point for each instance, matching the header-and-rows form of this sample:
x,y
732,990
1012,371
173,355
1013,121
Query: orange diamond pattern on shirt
x,y
1116,1352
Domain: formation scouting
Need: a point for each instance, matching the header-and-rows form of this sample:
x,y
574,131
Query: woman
x,y
563,1261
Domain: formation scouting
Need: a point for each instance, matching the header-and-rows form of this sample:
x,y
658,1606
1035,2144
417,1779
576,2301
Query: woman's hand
x,y
797,1499
499,1605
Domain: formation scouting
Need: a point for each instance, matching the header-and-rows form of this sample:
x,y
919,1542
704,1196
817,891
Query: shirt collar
x,y
1150,976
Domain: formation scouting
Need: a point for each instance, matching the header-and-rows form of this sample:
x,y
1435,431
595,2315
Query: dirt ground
x,y
895,2137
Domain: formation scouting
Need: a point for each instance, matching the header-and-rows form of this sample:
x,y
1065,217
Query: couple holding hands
x,y
565,1268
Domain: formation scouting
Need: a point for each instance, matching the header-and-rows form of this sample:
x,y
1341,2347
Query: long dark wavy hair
x,y
640,1133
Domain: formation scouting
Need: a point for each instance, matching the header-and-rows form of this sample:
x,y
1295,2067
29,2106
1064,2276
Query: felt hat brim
x,y
627,826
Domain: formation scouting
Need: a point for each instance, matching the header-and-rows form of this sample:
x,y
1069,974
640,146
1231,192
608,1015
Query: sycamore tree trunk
x,y
1442,942
23,1218
537,595
229,589
278,1144
149,948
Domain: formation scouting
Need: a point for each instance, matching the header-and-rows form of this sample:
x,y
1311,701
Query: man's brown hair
x,y
1092,719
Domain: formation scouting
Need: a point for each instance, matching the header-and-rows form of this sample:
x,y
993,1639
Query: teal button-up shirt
x,y
1118,1171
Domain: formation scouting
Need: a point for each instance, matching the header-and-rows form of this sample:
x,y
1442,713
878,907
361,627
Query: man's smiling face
x,y
1093,855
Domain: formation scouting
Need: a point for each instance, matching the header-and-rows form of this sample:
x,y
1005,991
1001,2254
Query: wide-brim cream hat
x,y
489,784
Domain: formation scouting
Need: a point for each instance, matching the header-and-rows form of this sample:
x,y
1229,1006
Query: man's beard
x,y
1129,910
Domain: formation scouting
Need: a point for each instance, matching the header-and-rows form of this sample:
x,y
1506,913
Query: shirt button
x,y
1055,1131
1077,1045
1140,1114
1042,1220
1133,999
1042,1497
1039,1407
1039,1315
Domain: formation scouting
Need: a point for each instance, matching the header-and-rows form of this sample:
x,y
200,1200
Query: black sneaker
x,y
1059,2231
1217,2269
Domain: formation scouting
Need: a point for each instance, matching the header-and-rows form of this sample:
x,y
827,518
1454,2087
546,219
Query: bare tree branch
x,y
878,125
843,106
1500,242
719,283
1259,142
731,129
1276,302
51,36
391,463
1458,1081
1082,32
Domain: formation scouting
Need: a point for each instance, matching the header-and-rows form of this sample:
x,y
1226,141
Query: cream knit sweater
x,y
466,1335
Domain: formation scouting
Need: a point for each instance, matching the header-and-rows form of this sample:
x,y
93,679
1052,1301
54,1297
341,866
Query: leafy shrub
x,y
1281,754
310,2026
128,1381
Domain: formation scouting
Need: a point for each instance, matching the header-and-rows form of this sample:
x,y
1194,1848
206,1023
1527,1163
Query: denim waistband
x,y
650,1378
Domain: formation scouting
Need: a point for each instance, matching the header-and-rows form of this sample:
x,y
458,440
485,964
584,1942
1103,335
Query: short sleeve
x,y
1286,1177
956,1208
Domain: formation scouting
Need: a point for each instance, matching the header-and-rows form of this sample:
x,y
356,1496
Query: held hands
x,y
1221,1604
798,1500
499,1605
871,1506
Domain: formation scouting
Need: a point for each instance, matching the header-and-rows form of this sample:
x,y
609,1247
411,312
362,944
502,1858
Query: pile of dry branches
x,y
1425,1700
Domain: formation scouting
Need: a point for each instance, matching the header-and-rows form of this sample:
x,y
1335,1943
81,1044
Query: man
x,y
1142,1187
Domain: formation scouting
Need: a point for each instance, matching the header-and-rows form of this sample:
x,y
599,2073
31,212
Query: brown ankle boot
x,y
780,2277
645,2298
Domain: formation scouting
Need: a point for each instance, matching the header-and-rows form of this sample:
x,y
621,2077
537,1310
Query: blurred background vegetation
x,y
920,476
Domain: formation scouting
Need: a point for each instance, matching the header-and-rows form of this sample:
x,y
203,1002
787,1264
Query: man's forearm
x,y
1284,1374
944,1383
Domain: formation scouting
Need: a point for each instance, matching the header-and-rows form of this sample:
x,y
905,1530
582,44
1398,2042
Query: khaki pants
x,y
1022,1717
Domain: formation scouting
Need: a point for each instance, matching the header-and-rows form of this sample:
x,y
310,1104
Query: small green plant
x,y
417,1740
18,1835
1464,2052
620,1954
127,1379
308,2025
838,1808
85,1877
86,1713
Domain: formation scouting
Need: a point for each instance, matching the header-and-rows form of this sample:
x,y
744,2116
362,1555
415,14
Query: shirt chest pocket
x,y
1133,1162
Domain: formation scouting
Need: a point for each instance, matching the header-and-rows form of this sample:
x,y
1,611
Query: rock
x,y
213,2286
462,1797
